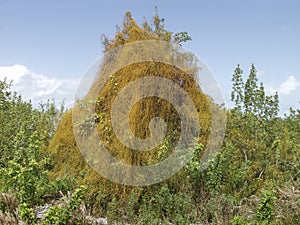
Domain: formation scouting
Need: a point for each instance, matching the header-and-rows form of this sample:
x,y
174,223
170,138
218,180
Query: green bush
x,y
265,210
63,215
239,220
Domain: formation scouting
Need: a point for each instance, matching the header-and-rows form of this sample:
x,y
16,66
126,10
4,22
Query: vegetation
x,y
254,178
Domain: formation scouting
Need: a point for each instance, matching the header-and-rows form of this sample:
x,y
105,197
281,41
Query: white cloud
x,y
14,72
38,87
287,91
288,86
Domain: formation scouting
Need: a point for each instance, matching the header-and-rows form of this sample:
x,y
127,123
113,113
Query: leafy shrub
x,y
26,213
265,210
165,206
63,215
239,220
25,176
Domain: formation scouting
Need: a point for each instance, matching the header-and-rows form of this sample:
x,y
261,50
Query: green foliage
x,y
260,152
250,98
239,220
170,207
27,214
24,175
237,95
19,121
158,207
24,134
251,91
265,210
215,173
61,186
257,140
113,211
167,207
158,28
64,215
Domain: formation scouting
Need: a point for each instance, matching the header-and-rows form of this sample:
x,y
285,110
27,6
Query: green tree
x,y
237,93
19,121
25,175
24,134
251,91
158,28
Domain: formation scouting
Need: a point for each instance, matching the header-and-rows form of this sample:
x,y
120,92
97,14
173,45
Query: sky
x,y
47,46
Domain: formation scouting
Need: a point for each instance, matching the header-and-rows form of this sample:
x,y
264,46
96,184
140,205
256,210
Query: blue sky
x,y
46,46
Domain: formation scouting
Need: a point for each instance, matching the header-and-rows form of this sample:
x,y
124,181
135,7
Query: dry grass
x,y
9,216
